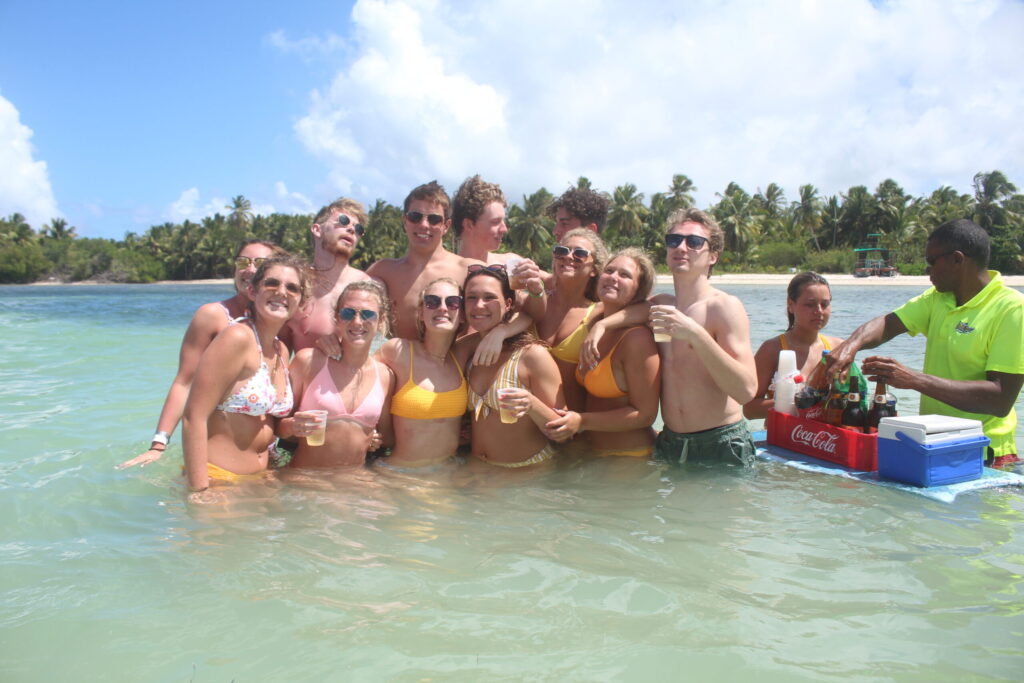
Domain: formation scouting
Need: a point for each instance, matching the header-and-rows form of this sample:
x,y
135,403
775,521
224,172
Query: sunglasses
x,y
674,239
578,253
348,314
433,302
417,217
344,221
932,260
274,283
494,268
244,261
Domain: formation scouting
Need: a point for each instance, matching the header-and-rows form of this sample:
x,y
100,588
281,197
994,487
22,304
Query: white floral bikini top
x,y
258,395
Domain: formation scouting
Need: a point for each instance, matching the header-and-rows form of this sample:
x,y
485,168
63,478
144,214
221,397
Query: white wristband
x,y
161,437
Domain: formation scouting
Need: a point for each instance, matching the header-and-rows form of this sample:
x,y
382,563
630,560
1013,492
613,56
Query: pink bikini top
x,y
323,394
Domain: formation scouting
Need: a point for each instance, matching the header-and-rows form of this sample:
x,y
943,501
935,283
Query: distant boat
x,y
873,260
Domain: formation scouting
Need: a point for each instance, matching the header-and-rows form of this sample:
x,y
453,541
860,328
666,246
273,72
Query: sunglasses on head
x,y
244,261
433,302
348,314
344,222
494,268
674,239
417,217
274,283
578,253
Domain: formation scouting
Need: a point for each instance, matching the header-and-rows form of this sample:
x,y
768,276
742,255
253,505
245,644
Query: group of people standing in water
x,y
486,350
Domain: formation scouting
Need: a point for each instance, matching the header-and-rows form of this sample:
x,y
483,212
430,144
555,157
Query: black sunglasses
x,y
344,222
932,260
348,314
494,267
274,283
674,239
244,261
578,253
432,218
433,302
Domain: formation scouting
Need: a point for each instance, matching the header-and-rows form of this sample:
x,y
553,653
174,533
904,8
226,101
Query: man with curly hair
x,y
336,230
578,208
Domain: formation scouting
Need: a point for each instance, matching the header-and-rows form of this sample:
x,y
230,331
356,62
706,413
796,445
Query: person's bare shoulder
x,y
769,348
663,299
209,316
383,269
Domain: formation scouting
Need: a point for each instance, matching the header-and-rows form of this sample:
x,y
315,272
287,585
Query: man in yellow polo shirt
x,y
974,357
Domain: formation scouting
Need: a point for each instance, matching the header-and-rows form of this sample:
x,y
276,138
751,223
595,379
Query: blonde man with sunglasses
x,y
209,321
707,364
336,231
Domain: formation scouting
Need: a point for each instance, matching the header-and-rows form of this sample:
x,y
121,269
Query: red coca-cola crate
x,y
823,441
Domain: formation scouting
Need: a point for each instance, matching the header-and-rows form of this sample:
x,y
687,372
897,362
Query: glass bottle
x,y
853,416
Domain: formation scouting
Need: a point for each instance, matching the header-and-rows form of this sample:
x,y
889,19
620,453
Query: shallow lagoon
x,y
601,570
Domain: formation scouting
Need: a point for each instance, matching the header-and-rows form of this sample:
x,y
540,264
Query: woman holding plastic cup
x,y
808,308
513,399
622,396
429,400
344,404
241,384
578,259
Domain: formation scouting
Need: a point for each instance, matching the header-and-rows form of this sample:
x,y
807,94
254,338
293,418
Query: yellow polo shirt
x,y
986,334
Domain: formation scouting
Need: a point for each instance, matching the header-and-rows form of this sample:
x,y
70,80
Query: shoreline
x,y
834,279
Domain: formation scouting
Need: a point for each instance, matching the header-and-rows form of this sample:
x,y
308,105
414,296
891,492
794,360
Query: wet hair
x,y
430,192
599,251
274,249
587,205
342,205
645,266
965,236
796,287
421,326
472,198
386,314
287,261
501,275
716,238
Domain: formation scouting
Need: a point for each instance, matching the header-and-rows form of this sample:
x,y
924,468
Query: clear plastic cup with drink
x,y
510,265
318,437
660,336
508,416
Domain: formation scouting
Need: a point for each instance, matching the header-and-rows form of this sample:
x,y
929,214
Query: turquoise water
x,y
602,570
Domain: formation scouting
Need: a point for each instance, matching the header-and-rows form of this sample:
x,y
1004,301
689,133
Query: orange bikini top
x,y
600,381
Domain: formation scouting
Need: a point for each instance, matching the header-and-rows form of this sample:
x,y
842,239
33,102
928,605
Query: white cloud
x,y
24,183
308,47
190,206
291,202
187,207
532,93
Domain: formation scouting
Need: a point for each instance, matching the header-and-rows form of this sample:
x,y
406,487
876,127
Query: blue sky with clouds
x,y
121,115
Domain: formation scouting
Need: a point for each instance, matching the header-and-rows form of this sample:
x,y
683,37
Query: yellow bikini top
x,y
569,348
415,402
785,346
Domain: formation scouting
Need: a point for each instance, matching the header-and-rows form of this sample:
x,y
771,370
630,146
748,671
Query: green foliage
x,y
763,231
830,261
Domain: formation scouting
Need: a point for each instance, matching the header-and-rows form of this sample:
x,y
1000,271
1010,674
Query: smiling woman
x,y
241,384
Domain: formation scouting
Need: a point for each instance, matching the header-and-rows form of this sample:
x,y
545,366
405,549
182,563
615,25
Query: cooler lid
x,y
933,424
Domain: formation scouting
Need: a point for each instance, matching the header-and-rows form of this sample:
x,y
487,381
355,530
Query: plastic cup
x,y
660,337
507,416
318,437
510,265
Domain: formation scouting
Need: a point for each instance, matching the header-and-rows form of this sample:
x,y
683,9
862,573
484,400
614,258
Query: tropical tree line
x,y
765,232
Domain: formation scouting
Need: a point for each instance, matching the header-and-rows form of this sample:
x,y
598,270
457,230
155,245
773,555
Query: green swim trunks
x,y
728,443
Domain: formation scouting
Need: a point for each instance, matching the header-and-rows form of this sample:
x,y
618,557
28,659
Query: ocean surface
x,y
604,569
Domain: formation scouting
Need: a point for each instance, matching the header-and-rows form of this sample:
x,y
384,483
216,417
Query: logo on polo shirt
x,y
964,328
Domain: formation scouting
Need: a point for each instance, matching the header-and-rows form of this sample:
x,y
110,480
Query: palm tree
x,y
59,231
807,212
989,190
241,215
628,212
681,192
735,214
530,229
583,183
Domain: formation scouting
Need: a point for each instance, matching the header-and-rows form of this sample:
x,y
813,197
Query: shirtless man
x,y
426,217
707,368
578,208
209,320
478,218
336,231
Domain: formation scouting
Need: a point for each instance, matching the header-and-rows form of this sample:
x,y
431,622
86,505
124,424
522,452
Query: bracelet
x,y
158,450
536,296
161,437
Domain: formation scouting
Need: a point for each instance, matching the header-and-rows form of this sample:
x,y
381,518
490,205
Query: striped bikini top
x,y
416,403
507,378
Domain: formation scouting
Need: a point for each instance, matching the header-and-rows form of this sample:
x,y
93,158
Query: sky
x,y
117,116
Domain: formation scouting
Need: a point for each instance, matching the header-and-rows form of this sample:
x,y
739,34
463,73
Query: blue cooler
x,y
930,450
